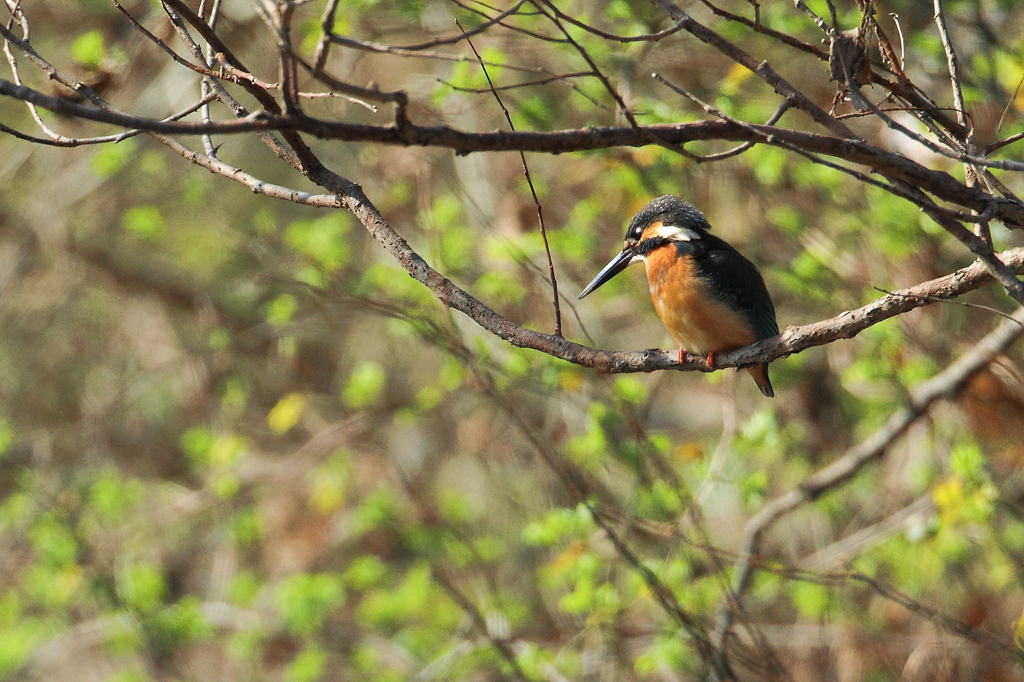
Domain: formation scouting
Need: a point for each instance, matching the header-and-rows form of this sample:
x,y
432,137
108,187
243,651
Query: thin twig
x,y
894,188
903,42
759,68
848,547
1009,103
323,45
952,63
515,86
944,384
735,151
934,299
206,85
202,70
62,141
465,35
648,37
935,616
776,35
19,15
854,151
225,98
367,46
964,157
533,192
611,90
1002,143
502,644
802,6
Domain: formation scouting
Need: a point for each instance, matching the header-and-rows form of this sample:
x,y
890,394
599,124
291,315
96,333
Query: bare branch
x,y
202,70
533,192
906,91
650,37
772,120
255,121
223,95
515,86
944,384
776,35
762,69
952,63
323,45
847,548
336,85
623,108
300,156
793,340
208,85
892,165
853,88
62,141
387,49
935,616
1002,143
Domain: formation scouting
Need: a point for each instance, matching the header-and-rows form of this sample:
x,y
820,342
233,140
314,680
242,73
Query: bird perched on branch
x,y
709,297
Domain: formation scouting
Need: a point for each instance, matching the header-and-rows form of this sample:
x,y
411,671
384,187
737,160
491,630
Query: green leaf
x,y
110,158
411,599
364,385
6,436
668,652
286,413
377,510
178,624
144,221
810,599
629,390
53,543
141,587
88,49
365,572
968,462
197,443
308,666
322,240
113,497
16,644
306,600
558,524
244,588
247,526
281,310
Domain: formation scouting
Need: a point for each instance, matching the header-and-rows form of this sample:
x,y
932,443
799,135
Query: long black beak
x,y
618,264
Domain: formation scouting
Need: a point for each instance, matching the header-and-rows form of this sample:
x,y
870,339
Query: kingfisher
x,y
709,297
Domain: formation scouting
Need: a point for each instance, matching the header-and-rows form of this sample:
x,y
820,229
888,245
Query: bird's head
x,y
665,220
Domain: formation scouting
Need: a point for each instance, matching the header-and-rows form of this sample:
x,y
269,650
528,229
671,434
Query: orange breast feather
x,y
695,320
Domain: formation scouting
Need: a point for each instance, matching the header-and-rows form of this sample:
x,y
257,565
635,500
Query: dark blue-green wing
x,y
736,283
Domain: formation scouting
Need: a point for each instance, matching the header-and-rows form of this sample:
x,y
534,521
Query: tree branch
x,y
888,163
944,384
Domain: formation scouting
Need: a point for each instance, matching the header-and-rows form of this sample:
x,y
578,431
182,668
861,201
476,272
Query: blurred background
x,y
241,443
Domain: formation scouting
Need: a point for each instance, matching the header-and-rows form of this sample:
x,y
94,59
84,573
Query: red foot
x,y
711,359
682,356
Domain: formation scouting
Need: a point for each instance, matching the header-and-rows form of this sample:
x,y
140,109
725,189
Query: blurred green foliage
x,y
240,442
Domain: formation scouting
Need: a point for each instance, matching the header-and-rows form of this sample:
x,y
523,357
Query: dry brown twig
x,y
533,192
909,179
791,341
944,384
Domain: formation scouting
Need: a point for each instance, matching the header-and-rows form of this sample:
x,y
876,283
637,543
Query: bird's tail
x,y
760,374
